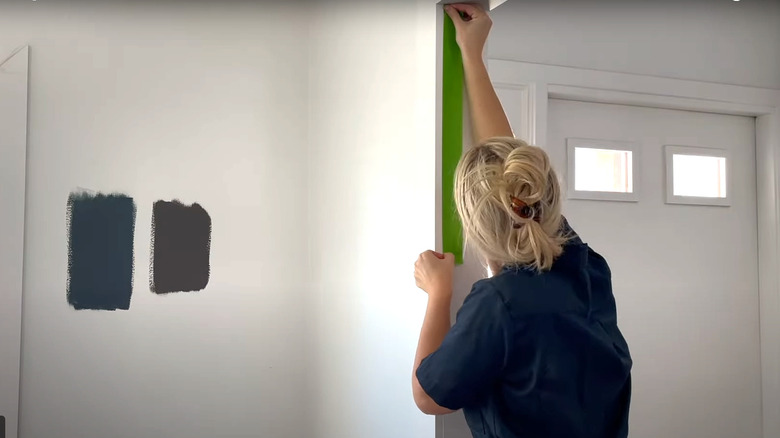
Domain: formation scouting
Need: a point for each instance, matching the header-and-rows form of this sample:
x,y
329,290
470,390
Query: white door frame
x,y
13,153
526,88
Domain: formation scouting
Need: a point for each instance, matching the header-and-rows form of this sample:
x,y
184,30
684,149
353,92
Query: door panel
x,y
685,277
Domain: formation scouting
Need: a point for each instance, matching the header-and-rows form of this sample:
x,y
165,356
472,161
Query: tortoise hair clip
x,y
523,210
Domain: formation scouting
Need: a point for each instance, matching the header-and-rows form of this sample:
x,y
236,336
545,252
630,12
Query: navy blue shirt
x,y
537,355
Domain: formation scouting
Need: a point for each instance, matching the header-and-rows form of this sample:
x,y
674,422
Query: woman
x,y
535,351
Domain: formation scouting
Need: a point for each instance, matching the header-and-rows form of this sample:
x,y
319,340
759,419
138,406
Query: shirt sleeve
x,y
473,354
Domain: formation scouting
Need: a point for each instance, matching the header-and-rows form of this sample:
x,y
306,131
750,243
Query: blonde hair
x,y
488,176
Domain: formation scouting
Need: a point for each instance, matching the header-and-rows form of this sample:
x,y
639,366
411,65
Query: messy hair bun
x,y
508,198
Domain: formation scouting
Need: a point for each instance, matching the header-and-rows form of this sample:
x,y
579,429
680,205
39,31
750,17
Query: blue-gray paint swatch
x,y
100,251
181,246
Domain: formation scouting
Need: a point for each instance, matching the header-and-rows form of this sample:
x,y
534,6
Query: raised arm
x,y
472,26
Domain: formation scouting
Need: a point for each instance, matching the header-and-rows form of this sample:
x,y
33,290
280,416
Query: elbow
x,y
427,405
433,409
424,406
430,410
424,402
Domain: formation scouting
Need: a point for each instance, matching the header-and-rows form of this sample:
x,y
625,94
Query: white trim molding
x,y
486,4
544,82
14,92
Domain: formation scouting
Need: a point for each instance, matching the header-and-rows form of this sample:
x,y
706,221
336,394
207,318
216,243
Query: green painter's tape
x,y
451,139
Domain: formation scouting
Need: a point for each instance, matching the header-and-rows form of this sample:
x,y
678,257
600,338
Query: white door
x,y
685,277
13,147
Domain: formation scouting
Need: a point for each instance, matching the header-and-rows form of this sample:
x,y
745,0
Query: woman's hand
x,y
433,273
472,25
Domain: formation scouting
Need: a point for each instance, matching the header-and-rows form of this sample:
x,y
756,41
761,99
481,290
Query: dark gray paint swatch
x,y
100,251
181,246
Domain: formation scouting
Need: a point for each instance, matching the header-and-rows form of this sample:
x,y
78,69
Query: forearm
x,y
434,329
487,115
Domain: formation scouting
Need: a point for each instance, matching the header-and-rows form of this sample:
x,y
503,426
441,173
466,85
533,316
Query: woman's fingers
x,y
469,10
454,14
472,31
431,256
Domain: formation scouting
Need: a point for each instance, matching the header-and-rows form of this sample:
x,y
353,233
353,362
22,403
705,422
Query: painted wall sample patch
x,y
181,243
100,251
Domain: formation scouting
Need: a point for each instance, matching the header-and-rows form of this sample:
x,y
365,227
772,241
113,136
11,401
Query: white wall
x,y
204,102
372,197
313,144
708,40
